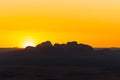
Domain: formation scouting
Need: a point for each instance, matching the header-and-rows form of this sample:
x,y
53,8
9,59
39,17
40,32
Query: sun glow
x,y
28,43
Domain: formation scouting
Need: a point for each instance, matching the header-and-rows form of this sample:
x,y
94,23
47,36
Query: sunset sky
x,y
93,22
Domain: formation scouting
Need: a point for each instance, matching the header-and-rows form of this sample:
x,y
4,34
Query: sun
x,y
28,43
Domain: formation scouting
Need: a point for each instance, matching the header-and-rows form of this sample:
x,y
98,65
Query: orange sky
x,y
94,22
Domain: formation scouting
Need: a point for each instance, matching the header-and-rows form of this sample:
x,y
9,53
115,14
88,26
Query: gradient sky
x,y
93,22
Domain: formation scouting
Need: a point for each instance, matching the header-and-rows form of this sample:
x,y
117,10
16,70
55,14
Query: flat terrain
x,y
15,72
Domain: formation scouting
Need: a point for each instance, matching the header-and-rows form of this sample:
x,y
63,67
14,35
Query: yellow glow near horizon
x,y
28,42
93,22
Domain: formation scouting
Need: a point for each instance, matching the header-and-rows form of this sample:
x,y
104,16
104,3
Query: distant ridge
x,y
5,50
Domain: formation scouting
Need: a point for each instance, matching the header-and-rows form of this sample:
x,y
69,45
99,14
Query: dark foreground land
x,y
71,61
56,73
